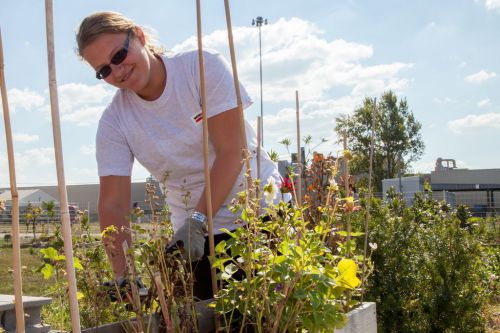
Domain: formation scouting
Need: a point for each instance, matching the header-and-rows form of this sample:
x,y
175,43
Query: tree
x,y
397,139
32,215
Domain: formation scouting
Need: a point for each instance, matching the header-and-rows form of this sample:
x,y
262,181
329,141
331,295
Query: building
x,y
26,195
83,196
479,189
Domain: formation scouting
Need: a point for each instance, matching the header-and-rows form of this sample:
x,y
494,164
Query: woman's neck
x,y
157,80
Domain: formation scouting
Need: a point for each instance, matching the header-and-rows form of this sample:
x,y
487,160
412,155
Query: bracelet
x,y
200,217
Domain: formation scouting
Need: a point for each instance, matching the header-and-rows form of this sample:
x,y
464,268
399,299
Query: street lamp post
x,y
258,21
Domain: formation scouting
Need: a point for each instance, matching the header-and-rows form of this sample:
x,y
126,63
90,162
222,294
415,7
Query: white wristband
x,y
202,218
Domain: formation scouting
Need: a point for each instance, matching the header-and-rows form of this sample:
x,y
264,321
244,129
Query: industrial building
x,y
479,189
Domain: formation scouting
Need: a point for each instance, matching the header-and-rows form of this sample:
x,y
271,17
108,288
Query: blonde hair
x,y
100,23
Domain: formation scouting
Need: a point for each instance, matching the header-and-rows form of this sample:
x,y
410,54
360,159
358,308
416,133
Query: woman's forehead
x,y
101,49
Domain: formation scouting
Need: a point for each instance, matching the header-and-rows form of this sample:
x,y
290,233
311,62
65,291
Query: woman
x,y
155,117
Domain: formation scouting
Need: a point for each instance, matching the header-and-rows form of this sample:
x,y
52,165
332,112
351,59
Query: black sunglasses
x,y
115,60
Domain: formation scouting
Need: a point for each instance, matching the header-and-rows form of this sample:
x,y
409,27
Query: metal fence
x,y
480,203
6,215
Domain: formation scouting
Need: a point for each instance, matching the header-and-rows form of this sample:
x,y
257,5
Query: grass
x,y
33,283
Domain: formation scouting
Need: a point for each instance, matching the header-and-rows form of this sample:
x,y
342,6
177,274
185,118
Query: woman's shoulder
x,y
111,111
190,57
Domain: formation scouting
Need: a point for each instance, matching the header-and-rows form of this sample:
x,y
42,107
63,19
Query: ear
x,y
139,33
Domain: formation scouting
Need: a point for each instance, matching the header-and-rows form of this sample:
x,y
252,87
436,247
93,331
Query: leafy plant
x,y
32,216
428,270
288,270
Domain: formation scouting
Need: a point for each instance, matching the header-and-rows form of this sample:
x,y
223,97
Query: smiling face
x,y
134,72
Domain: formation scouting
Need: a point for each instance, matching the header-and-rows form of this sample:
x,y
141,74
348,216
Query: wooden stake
x,y
132,276
368,204
259,143
246,153
347,190
299,152
63,195
163,301
208,192
16,258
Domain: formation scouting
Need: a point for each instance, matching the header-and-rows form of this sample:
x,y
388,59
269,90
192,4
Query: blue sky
x,y
441,55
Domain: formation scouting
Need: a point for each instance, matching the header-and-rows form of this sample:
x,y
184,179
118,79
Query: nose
x,y
117,71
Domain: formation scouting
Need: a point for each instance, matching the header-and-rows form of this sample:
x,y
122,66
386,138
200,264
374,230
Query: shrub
x,y
427,269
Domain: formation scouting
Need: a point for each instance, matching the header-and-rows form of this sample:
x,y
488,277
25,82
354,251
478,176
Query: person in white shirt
x,y
155,118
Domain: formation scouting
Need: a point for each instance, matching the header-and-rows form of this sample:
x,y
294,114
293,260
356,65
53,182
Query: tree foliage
x,y
397,138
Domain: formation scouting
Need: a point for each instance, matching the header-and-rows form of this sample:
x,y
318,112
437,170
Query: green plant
x,y
290,269
32,216
428,270
53,269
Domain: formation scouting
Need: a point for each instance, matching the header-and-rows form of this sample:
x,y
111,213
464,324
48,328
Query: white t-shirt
x,y
166,135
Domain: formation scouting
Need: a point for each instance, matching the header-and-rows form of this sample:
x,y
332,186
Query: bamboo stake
x,y
238,93
63,195
347,190
259,143
132,276
368,205
299,152
163,302
16,258
208,192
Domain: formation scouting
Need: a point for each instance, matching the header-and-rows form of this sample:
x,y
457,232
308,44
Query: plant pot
x,y
363,319
205,322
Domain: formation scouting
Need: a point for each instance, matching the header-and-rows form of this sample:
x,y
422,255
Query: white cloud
x,y
75,95
24,99
480,77
444,100
84,172
472,121
492,4
484,103
462,64
88,149
20,137
297,56
84,116
80,103
423,167
35,157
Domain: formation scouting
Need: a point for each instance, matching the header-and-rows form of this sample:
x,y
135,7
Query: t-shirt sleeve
x,y
219,85
113,154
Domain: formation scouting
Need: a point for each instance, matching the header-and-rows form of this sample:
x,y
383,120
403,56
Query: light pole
x,y
258,21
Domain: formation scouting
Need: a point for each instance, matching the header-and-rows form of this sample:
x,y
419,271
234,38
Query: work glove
x,y
191,238
124,288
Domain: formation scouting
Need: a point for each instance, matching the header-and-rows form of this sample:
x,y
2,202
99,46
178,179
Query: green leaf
x,y
221,247
278,259
284,248
353,234
79,295
232,234
77,264
49,253
219,263
347,274
47,271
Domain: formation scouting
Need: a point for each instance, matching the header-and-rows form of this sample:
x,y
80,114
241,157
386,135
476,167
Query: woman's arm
x,y
226,137
114,209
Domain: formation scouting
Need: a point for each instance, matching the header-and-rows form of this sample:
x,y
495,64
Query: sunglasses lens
x,y
104,72
119,56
